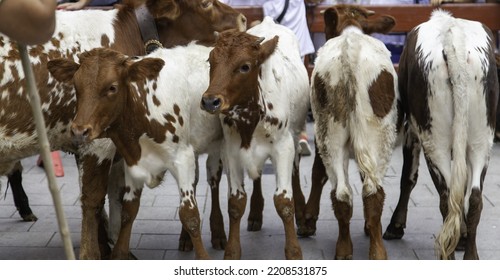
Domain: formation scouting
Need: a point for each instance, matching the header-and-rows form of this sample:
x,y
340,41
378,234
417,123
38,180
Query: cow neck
x,y
127,33
245,117
147,26
129,127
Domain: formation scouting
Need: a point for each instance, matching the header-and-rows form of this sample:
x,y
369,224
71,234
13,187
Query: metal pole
x,y
45,151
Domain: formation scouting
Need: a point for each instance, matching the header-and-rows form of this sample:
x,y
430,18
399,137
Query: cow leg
x,y
21,201
409,176
472,221
185,243
372,208
185,172
130,208
94,177
236,208
214,174
311,212
479,158
298,196
256,207
284,159
440,179
116,185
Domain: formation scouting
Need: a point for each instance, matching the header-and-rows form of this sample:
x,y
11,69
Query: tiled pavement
x,y
155,232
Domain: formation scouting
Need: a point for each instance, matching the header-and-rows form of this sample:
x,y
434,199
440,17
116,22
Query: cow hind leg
x,y
472,221
256,207
439,181
298,196
479,166
409,176
21,200
311,211
373,203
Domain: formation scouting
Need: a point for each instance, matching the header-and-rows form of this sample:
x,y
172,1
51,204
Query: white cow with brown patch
x,y
149,107
259,88
449,88
178,23
354,101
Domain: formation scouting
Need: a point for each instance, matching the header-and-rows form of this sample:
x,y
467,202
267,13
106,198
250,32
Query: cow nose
x,y
211,104
80,134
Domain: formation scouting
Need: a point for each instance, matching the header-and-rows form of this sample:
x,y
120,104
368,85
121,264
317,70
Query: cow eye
x,y
206,4
245,68
112,89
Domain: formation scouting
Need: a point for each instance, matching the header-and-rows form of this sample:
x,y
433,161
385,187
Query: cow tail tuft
x,y
456,59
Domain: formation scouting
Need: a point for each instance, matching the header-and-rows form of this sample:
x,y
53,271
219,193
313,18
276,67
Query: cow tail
x,y
455,57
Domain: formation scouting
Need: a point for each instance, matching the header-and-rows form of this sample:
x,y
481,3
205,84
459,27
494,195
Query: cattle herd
x,y
241,97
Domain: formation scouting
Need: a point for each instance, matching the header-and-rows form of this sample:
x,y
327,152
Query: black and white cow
x,y
449,89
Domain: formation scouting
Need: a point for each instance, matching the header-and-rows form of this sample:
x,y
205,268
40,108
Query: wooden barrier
x,y
407,16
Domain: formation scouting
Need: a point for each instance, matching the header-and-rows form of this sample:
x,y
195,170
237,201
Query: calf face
x,y
195,19
102,93
234,68
339,17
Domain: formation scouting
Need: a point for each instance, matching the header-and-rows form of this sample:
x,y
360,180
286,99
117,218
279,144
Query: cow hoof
x,y
29,217
219,243
254,225
232,255
308,229
348,257
394,231
461,243
185,245
131,256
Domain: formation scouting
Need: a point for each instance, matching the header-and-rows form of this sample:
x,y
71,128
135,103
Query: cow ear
x,y
331,18
62,69
382,24
147,68
164,9
267,48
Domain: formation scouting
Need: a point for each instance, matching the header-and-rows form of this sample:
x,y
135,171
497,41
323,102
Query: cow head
x,y
102,81
184,21
338,17
234,68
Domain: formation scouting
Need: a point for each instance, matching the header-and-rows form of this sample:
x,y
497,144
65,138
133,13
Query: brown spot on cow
x,y
270,106
272,120
156,101
170,118
55,42
105,41
382,94
177,110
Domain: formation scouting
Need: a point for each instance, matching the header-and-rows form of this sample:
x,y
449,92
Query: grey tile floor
x,y
155,232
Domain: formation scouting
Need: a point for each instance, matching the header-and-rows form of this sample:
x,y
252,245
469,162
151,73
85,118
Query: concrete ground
x,y
155,232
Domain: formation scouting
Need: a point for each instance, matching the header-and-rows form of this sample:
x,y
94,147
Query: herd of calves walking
x,y
242,98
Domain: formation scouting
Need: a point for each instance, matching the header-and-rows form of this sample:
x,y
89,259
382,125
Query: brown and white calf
x,y
149,107
260,92
449,88
354,100
178,23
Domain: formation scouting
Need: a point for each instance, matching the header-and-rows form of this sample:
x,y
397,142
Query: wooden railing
x,y
407,16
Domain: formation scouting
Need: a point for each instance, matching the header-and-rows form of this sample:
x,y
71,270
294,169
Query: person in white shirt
x,y
294,18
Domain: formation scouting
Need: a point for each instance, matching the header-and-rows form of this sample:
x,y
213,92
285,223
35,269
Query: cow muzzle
x,y
211,104
80,134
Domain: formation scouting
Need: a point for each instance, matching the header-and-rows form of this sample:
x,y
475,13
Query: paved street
x,y
155,232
